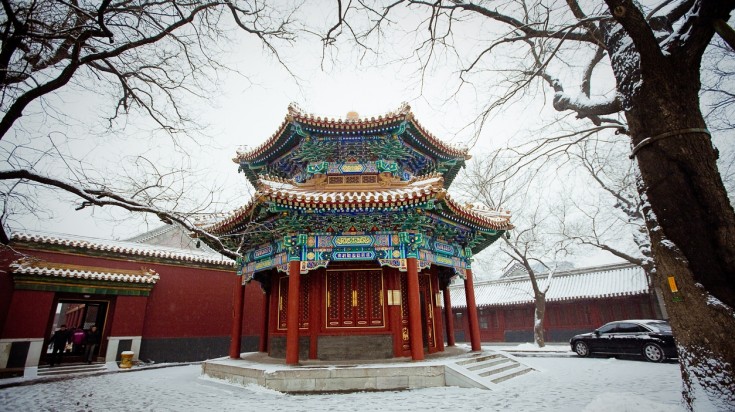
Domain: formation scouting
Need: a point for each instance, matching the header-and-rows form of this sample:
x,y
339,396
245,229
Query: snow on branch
x,y
104,197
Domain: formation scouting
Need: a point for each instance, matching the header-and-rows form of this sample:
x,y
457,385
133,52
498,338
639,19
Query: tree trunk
x,y
692,228
538,320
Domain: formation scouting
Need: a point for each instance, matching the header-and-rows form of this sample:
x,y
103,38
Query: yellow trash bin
x,y
126,359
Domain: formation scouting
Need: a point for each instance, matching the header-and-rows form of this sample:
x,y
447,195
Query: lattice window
x,y
352,180
354,298
303,303
369,179
335,180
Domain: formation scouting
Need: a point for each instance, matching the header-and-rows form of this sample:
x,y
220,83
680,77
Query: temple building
x,y
354,239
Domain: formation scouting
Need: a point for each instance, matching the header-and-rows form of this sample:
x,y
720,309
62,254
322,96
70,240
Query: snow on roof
x,y
122,247
298,115
418,188
587,283
43,268
369,196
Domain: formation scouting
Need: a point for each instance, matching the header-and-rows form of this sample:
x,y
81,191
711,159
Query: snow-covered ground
x,y
562,384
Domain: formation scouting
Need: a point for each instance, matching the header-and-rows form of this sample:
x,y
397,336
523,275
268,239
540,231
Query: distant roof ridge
x,y
601,268
120,246
612,280
150,234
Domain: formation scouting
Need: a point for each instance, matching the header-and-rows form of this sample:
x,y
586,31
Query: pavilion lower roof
x,y
371,198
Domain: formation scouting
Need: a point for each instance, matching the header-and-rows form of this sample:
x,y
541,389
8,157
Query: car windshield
x,y
660,325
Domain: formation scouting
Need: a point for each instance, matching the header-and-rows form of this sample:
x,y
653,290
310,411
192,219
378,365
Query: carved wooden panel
x,y
303,303
354,298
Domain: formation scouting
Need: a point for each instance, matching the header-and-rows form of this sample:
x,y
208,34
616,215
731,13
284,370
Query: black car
x,y
651,339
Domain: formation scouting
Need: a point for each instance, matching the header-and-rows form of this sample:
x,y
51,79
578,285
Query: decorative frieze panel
x,y
388,249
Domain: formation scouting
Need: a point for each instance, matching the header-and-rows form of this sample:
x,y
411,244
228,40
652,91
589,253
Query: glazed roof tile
x,y
296,114
48,269
587,283
121,247
418,190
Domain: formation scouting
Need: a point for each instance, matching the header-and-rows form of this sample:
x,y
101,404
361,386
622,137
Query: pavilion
x,y
354,239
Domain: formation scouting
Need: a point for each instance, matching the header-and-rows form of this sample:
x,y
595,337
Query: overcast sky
x,y
244,109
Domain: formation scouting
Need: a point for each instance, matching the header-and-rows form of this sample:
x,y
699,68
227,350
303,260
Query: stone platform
x,y
455,366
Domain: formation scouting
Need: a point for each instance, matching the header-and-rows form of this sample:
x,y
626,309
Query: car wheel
x,y
582,349
653,352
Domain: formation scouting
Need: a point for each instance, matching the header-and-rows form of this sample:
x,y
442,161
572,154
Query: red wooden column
x,y
292,316
263,344
238,297
469,290
448,316
414,311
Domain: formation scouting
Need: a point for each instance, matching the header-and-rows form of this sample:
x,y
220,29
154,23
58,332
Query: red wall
x,y
185,302
128,316
189,302
29,315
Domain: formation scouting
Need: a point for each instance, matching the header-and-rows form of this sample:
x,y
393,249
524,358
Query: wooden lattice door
x,y
355,299
304,282
427,310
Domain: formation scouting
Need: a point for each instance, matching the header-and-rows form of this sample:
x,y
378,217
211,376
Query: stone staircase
x,y
484,370
71,369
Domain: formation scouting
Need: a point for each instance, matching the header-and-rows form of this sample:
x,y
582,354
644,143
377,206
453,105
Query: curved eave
x,y
489,240
324,201
450,174
468,216
367,201
282,136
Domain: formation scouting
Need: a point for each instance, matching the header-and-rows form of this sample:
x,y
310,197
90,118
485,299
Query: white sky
x,y
245,110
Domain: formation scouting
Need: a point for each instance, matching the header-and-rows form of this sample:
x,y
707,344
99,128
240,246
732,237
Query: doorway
x,y
78,315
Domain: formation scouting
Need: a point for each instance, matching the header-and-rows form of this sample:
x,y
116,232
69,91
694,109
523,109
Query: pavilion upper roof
x,y
395,137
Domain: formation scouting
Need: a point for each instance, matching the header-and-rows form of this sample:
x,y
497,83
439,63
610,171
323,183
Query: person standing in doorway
x,y
59,340
93,340
78,336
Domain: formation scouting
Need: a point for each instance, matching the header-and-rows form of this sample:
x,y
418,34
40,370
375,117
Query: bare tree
x,y
654,56
533,242
609,214
152,56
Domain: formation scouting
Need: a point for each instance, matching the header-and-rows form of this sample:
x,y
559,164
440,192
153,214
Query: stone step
x,y
495,371
485,371
489,364
71,369
479,358
513,373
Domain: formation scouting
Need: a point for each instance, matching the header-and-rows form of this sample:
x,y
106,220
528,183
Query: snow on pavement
x,y
562,384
